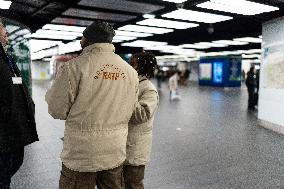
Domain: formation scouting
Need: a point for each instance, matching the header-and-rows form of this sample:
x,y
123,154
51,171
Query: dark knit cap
x,y
99,32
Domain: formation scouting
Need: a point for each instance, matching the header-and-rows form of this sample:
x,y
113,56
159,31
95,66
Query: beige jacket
x,y
95,93
139,140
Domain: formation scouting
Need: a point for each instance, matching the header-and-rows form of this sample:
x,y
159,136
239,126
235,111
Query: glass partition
x,y
19,49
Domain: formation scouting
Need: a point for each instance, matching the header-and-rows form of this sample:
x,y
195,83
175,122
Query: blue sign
x,y
217,72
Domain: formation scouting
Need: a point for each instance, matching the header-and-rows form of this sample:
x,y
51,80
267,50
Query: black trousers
x,y
251,99
10,162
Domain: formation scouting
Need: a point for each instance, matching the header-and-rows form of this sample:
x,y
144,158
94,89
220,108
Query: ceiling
x,y
36,13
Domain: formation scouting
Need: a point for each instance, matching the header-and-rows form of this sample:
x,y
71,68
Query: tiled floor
x,y
207,140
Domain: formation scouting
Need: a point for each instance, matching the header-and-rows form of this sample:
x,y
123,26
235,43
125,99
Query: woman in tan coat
x,y
139,140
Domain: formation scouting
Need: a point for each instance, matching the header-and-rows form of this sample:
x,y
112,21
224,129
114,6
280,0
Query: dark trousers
x,y
108,179
251,99
10,162
133,176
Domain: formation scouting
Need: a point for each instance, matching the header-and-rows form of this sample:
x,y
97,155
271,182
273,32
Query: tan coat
x,y
95,93
139,140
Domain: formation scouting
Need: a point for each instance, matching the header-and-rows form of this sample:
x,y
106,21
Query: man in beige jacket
x,y
95,93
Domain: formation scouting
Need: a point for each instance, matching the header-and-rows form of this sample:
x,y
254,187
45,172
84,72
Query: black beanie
x,y
99,32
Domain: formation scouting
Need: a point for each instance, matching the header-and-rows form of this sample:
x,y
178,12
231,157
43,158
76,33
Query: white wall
x,y
271,96
40,70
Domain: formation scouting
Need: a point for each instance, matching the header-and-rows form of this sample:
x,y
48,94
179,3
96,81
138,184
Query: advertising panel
x,y
205,71
273,67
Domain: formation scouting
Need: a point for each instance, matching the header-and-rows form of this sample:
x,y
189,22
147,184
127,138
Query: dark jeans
x,y
10,162
133,176
108,179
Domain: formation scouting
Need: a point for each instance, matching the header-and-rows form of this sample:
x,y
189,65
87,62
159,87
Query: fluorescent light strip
x,y
167,23
249,39
237,52
149,16
145,29
239,7
211,44
230,42
56,32
117,41
69,47
49,36
196,16
253,51
163,47
251,56
37,45
132,34
5,4
142,43
64,28
176,1
194,46
128,38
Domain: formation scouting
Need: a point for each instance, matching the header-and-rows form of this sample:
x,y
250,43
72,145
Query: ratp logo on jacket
x,y
110,72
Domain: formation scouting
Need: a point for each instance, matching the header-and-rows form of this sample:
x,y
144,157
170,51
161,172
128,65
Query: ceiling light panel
x,y
51,36
194,46
253,51
54,32
5,4
145,29
230,42
122,5
71,21
117,41
149,16
127,38
167,23
251,56
64,28
249,39
176,1
143,43
37,45
98,15
164,47
196,16
238,7
132,34
211,44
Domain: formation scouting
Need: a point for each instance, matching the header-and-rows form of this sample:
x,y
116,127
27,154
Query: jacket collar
x,y
142,78
99,47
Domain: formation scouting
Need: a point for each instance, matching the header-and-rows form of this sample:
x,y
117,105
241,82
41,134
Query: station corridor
x,y
208,140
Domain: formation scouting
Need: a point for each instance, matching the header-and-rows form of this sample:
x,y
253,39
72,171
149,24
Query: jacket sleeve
x,y
61,95
145,107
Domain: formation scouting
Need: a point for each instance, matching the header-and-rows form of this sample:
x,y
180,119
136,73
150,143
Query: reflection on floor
x,y
207,140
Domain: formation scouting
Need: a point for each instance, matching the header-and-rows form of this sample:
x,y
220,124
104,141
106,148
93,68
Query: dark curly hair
x,y
147,63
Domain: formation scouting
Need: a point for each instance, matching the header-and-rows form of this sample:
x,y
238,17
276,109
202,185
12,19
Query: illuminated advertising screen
x,y
217,72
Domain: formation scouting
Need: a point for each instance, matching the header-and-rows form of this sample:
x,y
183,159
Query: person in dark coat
x,y
251,84
257,87
17,121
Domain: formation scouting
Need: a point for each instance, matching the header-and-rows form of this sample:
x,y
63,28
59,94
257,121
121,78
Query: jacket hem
x,y
94,170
